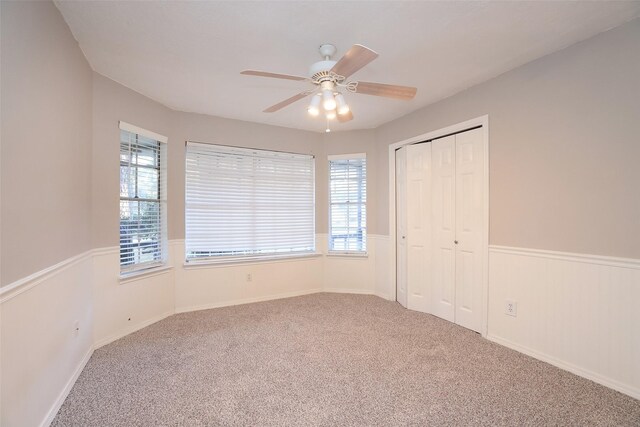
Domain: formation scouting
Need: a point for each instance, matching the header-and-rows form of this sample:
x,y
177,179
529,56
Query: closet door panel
x,y
418,226
443,226
469,227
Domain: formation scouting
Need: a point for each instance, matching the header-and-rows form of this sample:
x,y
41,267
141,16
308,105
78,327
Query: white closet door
x,y
418,226
444,226
469,227
401,226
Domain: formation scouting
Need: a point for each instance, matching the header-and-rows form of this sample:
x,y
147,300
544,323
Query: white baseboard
x,y
65,391
358,292
247,300
277,296
607,382
349,291
130,330
383,296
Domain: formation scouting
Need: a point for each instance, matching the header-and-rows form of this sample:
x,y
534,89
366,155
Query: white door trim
x,y
456,128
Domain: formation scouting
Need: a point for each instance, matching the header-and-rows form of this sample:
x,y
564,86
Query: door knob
x,y
403,237
455,241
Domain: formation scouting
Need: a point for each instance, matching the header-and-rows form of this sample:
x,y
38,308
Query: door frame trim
x,y
482,121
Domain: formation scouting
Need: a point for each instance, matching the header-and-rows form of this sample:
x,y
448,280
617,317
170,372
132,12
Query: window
x,y
245,203
348,203
142,199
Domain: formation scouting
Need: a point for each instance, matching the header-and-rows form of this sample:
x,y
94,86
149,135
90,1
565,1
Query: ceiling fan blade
x,y
286,102
357,57
342,118
389,91
272,75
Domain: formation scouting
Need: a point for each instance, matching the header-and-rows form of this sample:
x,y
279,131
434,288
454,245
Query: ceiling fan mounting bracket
x,y
327,50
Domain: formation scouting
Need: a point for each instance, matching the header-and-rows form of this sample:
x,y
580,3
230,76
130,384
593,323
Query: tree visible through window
x,y
348,201
141,202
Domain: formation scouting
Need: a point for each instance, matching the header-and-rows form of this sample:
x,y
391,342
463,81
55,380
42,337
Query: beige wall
x,y
113,102
563,153
46,140
202,128
564,147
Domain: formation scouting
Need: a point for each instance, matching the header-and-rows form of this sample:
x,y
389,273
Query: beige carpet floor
x,y
327,360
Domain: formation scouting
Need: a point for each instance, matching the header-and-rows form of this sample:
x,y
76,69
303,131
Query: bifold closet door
x,y
458,218
443,217
469,214
401,226
440,219
418,240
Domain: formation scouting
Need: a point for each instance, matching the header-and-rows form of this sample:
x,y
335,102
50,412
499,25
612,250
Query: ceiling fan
x,y
329,77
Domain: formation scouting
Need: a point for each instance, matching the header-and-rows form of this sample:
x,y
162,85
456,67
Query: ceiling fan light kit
x,y
314,106
328,76
328,101
343,107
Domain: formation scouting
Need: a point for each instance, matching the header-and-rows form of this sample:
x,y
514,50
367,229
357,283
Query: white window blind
x,y
348,203
245,203
142,202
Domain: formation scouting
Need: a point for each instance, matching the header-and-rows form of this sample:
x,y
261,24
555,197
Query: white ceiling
x,y
188,55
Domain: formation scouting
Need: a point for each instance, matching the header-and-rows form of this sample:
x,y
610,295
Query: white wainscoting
x,y
42,352
201,287
575,311
123,308
346,273
358,274
42,356
385,286
209,286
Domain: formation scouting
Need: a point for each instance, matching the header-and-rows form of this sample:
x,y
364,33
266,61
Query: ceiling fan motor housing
x,y
320,70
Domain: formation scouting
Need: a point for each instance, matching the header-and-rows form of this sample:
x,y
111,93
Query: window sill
x,y
347,254
143,274
212,263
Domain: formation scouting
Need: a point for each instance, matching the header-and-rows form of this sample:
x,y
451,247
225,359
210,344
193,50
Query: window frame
x,y
250,258
147,267
341,252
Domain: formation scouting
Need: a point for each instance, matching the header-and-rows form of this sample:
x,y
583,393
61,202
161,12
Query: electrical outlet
x,y
511,308
249,277
76,328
